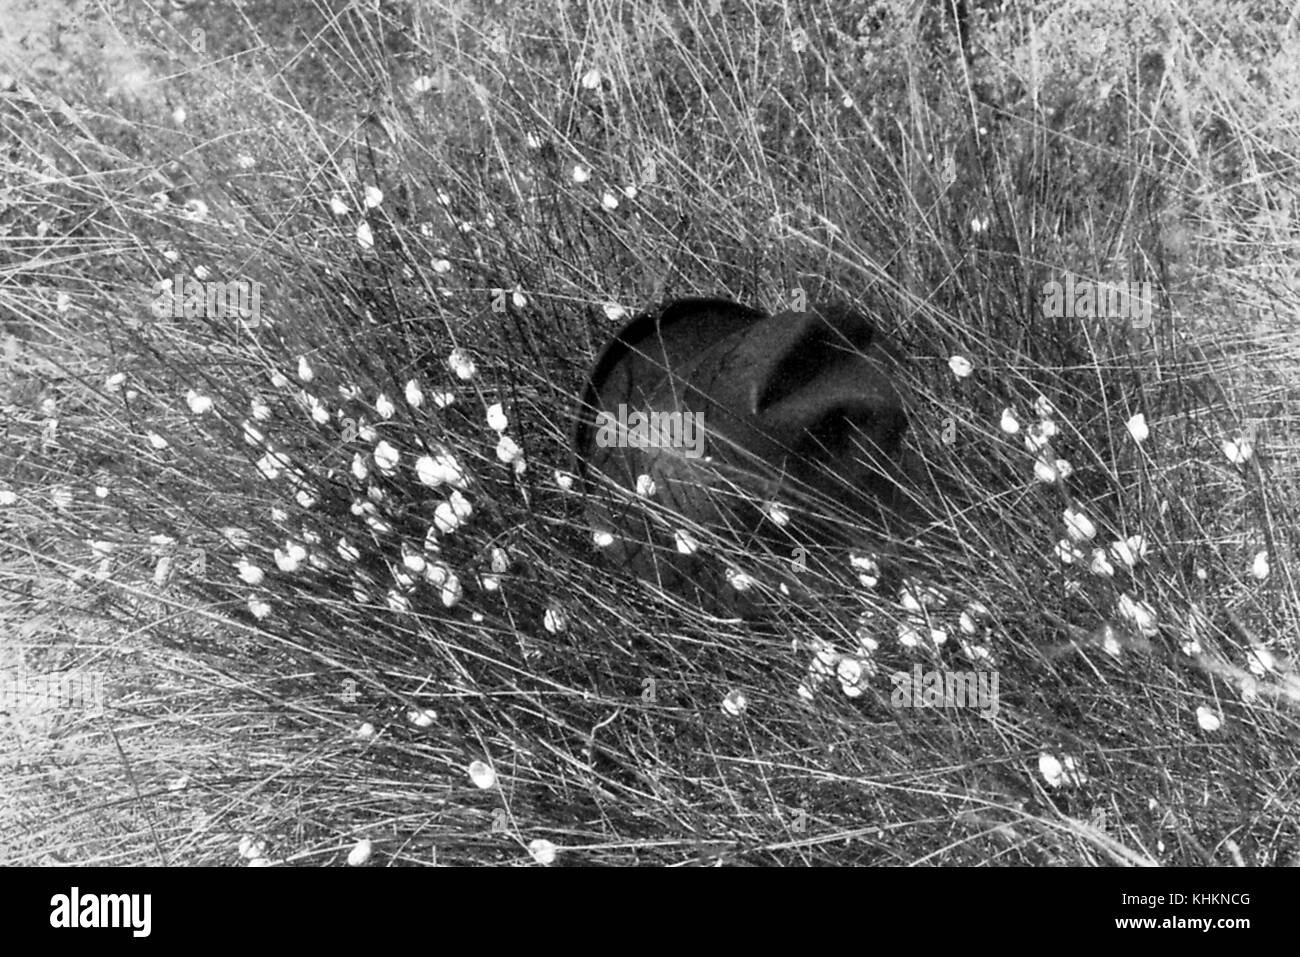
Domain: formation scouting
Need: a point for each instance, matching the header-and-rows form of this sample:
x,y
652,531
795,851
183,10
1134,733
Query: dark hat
x,y
703,413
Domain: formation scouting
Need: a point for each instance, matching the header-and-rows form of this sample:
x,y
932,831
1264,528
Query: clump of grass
x,y
351,510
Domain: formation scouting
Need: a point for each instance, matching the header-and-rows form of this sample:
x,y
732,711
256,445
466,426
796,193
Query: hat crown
x,y
717,402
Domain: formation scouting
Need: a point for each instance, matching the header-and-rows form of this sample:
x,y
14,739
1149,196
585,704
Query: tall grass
x,y
546,169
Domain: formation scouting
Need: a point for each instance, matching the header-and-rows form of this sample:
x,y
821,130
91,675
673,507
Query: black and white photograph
x,y
636,434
